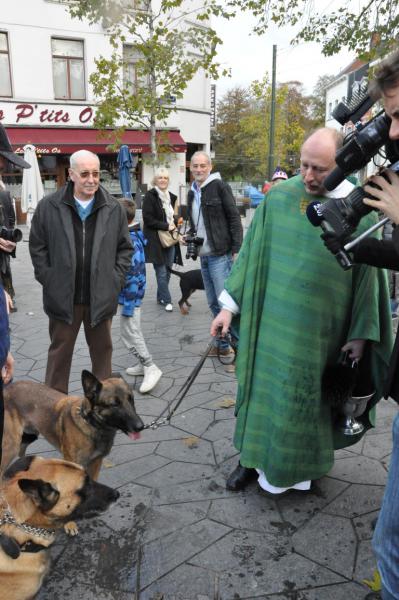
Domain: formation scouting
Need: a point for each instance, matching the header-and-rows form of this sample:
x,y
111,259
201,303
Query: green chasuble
x,y
298,307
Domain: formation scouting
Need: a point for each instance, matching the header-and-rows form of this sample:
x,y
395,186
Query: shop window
x,y
5,71
68,69
130,78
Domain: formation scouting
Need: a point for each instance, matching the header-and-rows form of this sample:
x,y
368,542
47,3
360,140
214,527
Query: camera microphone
x,y
317,219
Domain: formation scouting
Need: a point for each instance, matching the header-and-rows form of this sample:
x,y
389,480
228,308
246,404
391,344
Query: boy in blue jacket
x,y
130,298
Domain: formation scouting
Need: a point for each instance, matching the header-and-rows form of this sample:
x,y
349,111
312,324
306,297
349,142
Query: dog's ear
x,y
21,464
40,492
91,385
9,546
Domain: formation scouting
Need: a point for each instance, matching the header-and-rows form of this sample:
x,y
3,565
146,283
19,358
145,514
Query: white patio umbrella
x,y
32,186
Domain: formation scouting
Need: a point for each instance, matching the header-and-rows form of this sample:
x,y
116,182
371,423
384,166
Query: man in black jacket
x,y
214,217
385,253
81,250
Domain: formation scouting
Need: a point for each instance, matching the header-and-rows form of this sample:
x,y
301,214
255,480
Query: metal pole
x,y
272,116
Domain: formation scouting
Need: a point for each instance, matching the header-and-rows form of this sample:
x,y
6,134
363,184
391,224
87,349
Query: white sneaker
x,y
151,377
136,370
169,307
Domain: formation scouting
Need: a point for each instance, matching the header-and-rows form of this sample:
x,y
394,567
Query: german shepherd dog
x,y
37,496
189,282
82,429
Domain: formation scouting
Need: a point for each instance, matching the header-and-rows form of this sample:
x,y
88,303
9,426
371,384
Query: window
x,y
130,78
5,72
68,69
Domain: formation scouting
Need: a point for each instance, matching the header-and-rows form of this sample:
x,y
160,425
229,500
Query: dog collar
x,y
8,519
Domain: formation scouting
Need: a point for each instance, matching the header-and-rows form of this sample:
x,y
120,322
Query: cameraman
x,y
385,254
6,359
7,246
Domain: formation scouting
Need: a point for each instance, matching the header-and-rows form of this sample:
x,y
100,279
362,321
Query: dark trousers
x,y
62,342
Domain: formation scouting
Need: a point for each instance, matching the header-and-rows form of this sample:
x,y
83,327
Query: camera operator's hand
x,y
7,245
387,194
331,241
221,321
355,349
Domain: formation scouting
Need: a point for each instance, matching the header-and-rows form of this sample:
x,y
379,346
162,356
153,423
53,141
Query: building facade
x,y
46,59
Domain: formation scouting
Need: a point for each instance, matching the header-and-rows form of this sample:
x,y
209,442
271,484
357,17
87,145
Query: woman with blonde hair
x,y
159,214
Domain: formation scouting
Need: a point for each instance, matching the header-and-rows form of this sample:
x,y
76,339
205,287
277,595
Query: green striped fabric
x,y
298,308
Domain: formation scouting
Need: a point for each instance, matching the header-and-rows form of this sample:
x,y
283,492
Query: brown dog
x,y
37,496
83,429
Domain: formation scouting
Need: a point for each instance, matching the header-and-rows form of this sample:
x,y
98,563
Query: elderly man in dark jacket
x,y
214,217
81,250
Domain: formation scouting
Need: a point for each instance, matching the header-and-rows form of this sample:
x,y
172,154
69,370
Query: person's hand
x,y
331,241
7,245
172,227
8,369
387,197
221,321
9,302
354,348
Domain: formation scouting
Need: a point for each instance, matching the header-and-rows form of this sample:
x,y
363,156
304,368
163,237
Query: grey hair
x,y
76,156
201,153
158,172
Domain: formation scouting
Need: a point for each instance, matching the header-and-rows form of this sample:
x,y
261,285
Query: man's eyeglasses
x,y
86,174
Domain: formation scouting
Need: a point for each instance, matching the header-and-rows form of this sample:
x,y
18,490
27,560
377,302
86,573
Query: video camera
x,y
12,235
341,216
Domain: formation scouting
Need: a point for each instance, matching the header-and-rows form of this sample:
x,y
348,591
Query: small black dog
x,y
189,282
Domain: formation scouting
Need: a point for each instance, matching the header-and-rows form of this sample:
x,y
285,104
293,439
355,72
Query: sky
x,y
249,56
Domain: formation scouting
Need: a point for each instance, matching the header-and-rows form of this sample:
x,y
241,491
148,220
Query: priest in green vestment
x,y
297,310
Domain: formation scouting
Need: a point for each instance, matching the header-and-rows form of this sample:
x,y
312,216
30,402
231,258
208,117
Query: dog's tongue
x,y
134,435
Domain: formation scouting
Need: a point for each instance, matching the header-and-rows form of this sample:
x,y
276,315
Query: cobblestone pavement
x,y
176,533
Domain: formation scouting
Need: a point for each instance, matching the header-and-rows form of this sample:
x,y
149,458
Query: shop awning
x,y
59,140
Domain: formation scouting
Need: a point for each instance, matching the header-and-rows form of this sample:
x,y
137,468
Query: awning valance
x,y
63,140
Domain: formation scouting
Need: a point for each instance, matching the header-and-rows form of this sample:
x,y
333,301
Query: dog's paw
x,y
71,528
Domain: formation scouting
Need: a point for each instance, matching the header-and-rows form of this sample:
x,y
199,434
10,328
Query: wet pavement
x,y
176,533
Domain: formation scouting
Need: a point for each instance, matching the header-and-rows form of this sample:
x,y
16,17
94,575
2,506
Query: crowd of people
x,y
294,310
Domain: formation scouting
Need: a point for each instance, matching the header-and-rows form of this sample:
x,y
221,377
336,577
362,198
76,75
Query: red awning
x,y
62,140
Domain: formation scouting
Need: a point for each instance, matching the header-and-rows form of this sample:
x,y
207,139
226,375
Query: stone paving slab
x,y
176,533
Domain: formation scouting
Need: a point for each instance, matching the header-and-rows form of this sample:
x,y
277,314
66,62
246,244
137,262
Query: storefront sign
x,y
38,150
25,113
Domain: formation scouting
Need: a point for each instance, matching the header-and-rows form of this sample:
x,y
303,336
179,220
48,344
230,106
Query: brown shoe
x,y
215,351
